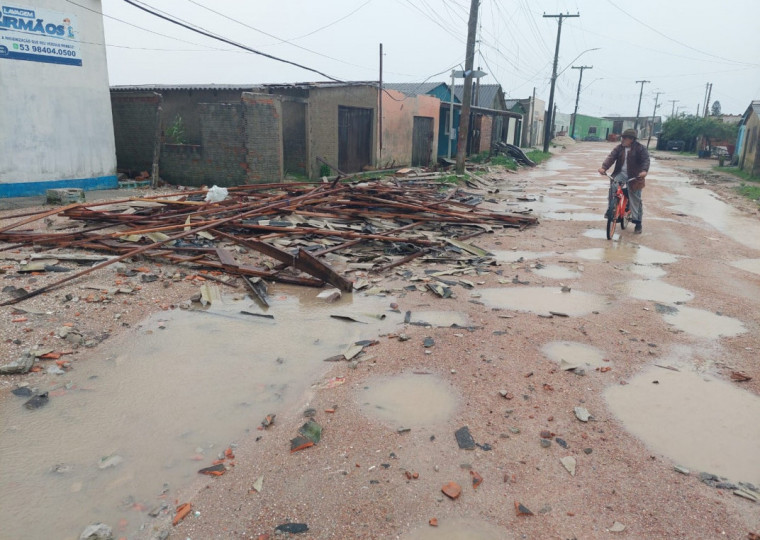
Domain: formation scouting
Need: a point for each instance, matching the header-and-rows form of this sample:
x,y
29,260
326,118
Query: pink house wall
x,y
399,111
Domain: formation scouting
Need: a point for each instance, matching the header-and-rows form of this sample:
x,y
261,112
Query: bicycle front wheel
x,y
611,223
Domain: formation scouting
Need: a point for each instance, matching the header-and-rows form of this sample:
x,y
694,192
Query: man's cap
x,y
630,133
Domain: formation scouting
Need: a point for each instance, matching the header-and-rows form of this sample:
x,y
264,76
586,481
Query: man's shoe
x,y
637,229
608,214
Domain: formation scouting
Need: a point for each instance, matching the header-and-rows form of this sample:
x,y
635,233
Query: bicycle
x,y
621,211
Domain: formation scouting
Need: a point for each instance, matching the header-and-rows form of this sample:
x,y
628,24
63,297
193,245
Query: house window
x,y
592,130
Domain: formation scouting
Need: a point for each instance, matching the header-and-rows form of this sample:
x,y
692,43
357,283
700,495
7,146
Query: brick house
x,y
231,135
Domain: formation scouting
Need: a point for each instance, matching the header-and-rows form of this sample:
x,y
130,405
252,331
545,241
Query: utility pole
x,y
464,121
673,109
550,108
641,93
451,114
532,115
707,87
578,96
654,112
380,113
707,102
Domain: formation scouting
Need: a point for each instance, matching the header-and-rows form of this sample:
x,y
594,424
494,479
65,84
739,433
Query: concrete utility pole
x,y
549,121
464,120
578,96
707,101
707,88
641,93
654,112
673,109
532,114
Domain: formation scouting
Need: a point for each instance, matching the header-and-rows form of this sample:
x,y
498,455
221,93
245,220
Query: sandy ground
x,y
353,484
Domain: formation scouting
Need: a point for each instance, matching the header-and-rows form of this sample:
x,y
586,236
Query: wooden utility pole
x,y
673,109
578,96
638,110
549,121
380,114
707,101
464,120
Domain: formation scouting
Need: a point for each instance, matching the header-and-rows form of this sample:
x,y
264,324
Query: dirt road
x,y
643,333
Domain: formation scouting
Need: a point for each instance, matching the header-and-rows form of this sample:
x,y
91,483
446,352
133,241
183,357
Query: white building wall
x,y
56,128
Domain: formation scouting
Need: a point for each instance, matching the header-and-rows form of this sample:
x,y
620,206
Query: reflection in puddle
x,y
696,421
750,265
600,234
458,530
554,271
442,319
517,256
704,324
658,291
578,354
705,205
625,252
171,397
543,300
397,400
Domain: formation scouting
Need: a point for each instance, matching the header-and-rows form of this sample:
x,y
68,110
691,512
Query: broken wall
x,y
263,137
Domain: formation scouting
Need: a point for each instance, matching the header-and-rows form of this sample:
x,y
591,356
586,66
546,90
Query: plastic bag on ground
x,y
216,194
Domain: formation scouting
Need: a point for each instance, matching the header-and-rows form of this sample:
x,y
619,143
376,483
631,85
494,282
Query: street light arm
x,y
576,58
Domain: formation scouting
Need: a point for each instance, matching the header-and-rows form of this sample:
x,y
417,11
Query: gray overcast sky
x,y
679,45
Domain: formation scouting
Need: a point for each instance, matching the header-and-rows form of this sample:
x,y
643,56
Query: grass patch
x,y
752,192
736,171
504,161
479,158
750,188
537,156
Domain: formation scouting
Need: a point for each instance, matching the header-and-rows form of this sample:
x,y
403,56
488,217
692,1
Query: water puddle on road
x,y
518,256
458,529
162,403
626,252
572,216
397,400
543,300
657,291
703,323
599,234
441,319
697,421
555,271
750,265
650,271
573,353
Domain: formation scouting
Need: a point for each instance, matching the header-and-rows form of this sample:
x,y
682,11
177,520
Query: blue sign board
x,y
38,35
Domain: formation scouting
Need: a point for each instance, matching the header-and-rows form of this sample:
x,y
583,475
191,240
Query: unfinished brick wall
x,y
134,121
219,159
486,127
263,137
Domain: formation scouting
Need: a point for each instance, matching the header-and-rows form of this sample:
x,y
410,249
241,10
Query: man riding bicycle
x,y
631,159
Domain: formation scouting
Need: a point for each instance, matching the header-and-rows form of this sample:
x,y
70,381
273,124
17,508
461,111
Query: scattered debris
x,y
476,479
182,511
97,531
292,528
464,438
107,462
582,414
268,420
740,376
569,464
617,527
522,510
433,522
452,490
681,469
37,401
215,470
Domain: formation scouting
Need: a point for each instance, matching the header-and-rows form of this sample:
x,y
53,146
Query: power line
x,y
206,33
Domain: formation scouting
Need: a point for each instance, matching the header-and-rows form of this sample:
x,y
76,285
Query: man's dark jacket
x,y
638,159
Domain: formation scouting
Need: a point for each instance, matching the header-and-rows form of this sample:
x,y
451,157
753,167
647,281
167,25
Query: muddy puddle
x,y
705,205
440,319
699,422
650,271
657,291
626,252
573,216
518,255
141,417
555,271
396,400
600,234
458,529
749,265
543,300
706,324
570,353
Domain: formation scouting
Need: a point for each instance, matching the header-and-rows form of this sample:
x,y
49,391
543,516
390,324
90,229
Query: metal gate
x,y
422,141
354,138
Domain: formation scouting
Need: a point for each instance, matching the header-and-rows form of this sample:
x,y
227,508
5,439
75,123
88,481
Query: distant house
x,y
748,143
592,127
491,121
410,127
646,126
533,111
561,123
238,134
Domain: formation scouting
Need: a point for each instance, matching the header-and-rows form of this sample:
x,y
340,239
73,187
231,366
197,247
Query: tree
x,y
716,108
689,128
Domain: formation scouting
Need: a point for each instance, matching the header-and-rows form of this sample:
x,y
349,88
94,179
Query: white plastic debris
x,y
216,194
